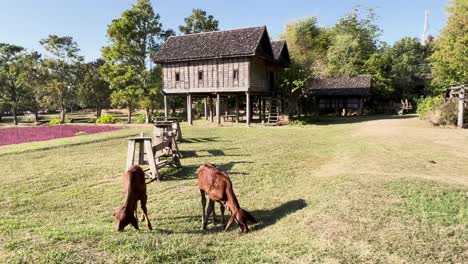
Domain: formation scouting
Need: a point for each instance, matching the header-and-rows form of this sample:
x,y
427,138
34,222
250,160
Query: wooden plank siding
x,y
218,76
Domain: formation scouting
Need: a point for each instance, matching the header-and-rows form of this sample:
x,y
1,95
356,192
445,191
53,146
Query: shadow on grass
x,y
211,153
190,171
326,121
200,140
267,218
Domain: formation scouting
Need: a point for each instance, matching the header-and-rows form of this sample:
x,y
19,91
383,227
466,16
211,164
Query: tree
x,y
133,39
198,22
354,40
61,70
94,91
35,81
12,85
292,84
450,58
308,44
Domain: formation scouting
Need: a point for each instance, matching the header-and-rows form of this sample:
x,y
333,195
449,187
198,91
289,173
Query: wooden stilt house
x,y
240,63
341,95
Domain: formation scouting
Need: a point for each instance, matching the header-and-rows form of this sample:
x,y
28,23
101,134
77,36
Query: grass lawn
x,y
376,191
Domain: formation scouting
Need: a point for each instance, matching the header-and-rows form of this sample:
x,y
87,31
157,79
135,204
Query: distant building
x,y
241,63
333,95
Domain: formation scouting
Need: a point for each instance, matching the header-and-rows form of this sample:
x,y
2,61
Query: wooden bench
x,y
232,118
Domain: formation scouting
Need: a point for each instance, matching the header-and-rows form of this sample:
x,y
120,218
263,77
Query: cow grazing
x,y
135,190
217,185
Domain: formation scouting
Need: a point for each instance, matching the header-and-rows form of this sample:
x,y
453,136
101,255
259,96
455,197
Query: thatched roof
x,y
281,52
342,86
242,42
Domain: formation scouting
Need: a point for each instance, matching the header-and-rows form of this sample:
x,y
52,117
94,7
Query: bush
x,y
445,114
54,121
429,104
140,119
106,119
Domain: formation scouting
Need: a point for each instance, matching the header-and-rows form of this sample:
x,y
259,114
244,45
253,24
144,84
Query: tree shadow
x,y
190,171
326,121
267,218
200,140
211,153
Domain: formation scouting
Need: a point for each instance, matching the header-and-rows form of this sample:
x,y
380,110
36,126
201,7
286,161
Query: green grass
x,y
375,191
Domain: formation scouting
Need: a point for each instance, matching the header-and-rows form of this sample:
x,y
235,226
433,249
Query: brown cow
x,y
218,186
135,190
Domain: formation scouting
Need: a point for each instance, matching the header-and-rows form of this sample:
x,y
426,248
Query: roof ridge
x,y
218,31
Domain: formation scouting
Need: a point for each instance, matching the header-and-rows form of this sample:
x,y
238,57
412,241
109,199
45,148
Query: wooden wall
x,y
217,76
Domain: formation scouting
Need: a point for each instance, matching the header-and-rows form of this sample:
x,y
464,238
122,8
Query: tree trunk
x,y
129,117
62,115
15,117
1,116
98,112
147,115
36,116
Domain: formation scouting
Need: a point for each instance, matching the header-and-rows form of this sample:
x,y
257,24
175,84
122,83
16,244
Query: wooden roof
x,y
341,86
281,52
242,42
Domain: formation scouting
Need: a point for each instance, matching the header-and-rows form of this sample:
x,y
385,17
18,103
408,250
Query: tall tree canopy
x,y
133,39
61,66
94,91
12,81
354,40
450,58
308,44
198,22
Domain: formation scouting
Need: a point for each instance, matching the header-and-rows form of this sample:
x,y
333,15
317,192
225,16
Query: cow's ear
x,y
231,220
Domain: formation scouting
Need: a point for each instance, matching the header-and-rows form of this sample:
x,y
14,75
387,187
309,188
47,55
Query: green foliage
x,y
54,121
429,104
198,22
354,40
12,81
106,119
140,119
94,91
61,70
308,44
292,84
450,58
133,39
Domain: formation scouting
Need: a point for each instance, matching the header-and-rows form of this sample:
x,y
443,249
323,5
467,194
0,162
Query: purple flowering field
x,y
17,135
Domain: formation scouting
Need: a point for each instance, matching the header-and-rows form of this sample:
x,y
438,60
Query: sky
x,y
25,22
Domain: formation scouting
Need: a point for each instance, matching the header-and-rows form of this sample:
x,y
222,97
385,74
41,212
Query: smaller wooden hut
x,y
340,95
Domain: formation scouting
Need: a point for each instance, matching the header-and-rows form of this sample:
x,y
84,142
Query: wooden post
x,y
206,108
260,108
189,109
165,106
263,109
461,106
210,102
218,110
361,106
237,108
247,108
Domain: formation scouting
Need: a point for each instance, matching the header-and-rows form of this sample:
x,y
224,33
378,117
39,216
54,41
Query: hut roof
x,y
242,42
281,52
341,86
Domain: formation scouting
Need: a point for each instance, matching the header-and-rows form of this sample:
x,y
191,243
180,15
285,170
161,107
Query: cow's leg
x,y
203,204
211,209
145,211
221,208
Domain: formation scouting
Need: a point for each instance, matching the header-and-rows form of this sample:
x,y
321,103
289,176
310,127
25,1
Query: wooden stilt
x,y
206,108
210,102
263,109
461,106
189,109
248,108
165,106
218,110
237,109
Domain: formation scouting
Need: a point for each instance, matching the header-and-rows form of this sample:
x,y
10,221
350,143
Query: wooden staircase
x,y
274,112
